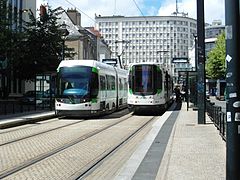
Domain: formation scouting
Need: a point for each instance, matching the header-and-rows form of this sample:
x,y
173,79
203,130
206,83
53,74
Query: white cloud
x,y
214,9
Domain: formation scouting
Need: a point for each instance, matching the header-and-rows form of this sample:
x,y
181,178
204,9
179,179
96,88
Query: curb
x,y
22,121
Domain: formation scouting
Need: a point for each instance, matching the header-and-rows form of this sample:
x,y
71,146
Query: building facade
x,y
147,39
87,42
211,33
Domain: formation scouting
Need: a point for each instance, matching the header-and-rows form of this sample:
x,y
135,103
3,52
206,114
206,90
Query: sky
x,y
214,9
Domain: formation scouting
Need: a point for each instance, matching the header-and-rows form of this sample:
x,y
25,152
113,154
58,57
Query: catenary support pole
x,y
201,87
233,89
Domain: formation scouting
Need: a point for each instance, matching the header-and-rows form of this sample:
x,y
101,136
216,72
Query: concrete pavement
x,y
194,151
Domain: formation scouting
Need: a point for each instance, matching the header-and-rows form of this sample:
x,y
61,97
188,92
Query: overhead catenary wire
x,y
114,10
139,9
80,10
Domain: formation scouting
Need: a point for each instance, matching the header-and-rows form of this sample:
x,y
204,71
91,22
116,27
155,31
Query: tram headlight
x,y
60,100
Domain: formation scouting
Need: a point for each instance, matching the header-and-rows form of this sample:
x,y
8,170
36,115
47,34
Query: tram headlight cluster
x,y
144,97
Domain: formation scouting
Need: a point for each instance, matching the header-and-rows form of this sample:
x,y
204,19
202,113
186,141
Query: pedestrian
x,y
183,93
177,93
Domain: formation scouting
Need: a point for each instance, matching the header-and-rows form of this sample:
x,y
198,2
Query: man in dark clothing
x,y
178,94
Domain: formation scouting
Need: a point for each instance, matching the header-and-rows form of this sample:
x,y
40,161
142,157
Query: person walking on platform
x,y
178,94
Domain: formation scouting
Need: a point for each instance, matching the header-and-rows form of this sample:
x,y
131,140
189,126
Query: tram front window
x,y
143,83
75,81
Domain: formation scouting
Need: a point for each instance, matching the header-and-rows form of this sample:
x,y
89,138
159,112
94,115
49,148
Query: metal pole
x,y
233,87
196,54
63,49
196,67
186,91
201,87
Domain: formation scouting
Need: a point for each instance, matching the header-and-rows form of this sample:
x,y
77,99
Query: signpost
x,y
233,89
201,86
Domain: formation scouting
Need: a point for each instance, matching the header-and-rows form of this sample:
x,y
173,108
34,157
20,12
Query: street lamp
x,y
119,55
65,32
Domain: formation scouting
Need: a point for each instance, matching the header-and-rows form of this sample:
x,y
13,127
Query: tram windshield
x,y
146,79
76,81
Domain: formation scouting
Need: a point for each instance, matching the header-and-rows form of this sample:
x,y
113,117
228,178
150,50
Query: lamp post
x,y
120,54
65,32
201,87
233,87
196,64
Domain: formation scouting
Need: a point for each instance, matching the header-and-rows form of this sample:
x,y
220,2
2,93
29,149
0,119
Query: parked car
x,y
47,93
29,97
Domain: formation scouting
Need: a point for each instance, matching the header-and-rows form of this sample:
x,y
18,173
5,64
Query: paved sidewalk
x,y
194,151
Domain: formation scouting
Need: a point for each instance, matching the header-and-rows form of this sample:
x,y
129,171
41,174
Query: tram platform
x,y
181,150
177,148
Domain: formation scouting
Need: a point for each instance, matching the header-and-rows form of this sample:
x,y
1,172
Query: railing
x,y
13,106
218,117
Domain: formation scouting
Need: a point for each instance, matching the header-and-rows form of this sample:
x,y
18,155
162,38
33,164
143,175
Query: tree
x,y
216,66
40,46
5,30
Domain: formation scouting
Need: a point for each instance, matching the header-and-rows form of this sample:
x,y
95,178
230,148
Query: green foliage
x,y
39,49
5,31
216,66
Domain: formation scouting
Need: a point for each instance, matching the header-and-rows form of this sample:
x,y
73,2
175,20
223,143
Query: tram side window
x,y
111,82
108,83
125,84
102,83
120,84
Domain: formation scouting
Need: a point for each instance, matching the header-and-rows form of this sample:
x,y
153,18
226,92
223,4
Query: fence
x,y
14,106
218,117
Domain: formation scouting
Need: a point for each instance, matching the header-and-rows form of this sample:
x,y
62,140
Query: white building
x,y
147,39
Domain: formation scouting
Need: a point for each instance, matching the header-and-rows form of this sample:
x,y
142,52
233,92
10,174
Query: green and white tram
x,y
89,87
150,87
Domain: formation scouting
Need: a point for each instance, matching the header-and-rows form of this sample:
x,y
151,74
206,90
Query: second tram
x,y
150,87
89,87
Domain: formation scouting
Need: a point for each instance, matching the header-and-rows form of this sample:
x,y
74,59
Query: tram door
x,y
103,92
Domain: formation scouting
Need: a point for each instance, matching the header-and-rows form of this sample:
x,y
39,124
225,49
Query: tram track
x,y
112,151
37,133
30,161
22,127
26,126
21,133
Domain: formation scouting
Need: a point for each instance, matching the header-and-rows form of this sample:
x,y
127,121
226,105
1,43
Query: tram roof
x,y
89,63
147,63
